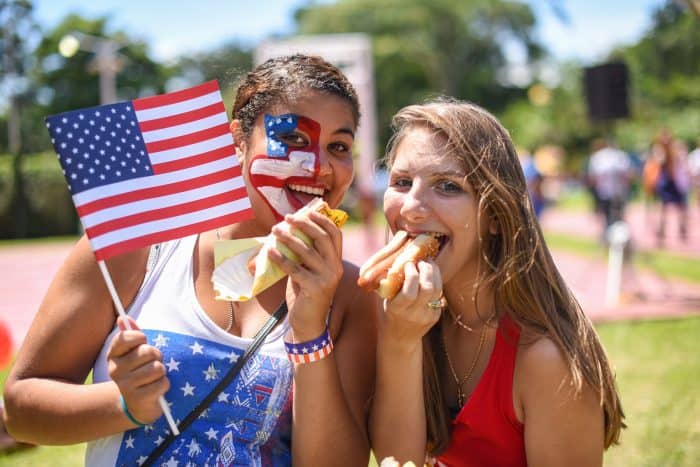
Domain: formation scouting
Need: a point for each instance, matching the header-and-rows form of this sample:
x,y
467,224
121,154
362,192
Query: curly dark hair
x,y
282,79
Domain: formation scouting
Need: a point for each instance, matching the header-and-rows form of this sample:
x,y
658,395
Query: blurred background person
x,y
610,174
694,169
672,182
534,180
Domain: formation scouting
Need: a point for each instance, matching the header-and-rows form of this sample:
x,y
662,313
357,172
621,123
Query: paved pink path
x,y
25,275
643,294
642,220
26,271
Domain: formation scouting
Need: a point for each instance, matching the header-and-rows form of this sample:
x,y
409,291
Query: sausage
x,y
379,263
383,271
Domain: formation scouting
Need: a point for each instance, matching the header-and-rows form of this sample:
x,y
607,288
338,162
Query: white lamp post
x,y
618,235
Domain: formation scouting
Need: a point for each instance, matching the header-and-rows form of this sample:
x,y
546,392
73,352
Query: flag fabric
x,y
248,424
151,170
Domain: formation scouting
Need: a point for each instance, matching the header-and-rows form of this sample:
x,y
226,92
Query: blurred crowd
x,y
665,175
670,174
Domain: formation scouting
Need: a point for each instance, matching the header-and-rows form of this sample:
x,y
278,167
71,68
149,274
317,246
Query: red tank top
x,y
486,431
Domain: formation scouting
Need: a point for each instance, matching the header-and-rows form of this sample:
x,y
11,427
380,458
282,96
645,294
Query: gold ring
x,y
435,304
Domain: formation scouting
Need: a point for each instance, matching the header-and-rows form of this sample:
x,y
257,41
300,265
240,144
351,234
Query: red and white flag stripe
x,y
196,183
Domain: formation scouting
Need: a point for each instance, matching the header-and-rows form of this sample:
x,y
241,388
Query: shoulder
x,y
539,356
350,293
353,307
544,381
563,425
128,271
81,267
539,365
348,288
541,372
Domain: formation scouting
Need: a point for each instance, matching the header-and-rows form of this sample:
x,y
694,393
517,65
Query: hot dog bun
x,y
243,268
376,266
383,271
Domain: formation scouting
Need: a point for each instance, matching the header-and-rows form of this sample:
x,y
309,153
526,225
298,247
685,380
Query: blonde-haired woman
x,y
484,357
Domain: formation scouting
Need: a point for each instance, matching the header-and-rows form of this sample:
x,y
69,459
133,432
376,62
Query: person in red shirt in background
x,y
484,357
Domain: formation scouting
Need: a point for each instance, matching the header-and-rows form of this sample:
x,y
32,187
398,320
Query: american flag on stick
x,y
150,170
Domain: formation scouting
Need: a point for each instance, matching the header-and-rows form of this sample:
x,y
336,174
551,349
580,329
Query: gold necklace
x,y
458,320
461,397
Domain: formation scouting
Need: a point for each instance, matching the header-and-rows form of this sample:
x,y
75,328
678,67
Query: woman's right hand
x,y
407,317
137,369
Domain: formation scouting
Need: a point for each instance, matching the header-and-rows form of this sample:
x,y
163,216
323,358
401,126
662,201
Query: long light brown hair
x,y
518,266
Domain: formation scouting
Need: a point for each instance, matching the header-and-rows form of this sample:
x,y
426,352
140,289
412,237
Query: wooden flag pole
x,y
122,313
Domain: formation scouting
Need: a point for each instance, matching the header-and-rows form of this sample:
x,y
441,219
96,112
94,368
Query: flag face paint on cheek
x,y
291,159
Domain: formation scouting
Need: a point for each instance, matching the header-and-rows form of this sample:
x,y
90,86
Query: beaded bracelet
x,y
310,351
125,409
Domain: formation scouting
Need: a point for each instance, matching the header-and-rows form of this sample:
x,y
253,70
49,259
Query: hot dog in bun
x,y
383,271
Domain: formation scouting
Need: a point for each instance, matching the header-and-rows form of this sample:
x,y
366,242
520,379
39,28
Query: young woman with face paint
x,y
484,357
294,120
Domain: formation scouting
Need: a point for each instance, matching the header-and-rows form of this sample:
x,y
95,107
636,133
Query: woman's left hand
x,y
313,281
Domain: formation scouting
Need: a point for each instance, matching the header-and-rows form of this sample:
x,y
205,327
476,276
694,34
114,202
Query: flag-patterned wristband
x,y
310,351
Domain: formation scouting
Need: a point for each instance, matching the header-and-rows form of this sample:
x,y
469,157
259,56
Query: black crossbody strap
x,y
223,384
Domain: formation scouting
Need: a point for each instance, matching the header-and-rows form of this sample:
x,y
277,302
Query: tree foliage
x,y
225,64
17,24
64,84
562,120
422,49
665,70
664,91
17,27
138,75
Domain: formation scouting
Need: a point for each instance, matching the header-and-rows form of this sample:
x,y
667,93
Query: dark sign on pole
x,y
606,91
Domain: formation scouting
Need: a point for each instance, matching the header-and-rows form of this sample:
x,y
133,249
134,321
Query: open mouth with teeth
x,y
299,195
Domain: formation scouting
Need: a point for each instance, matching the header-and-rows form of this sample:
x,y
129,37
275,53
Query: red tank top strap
x,y
507,339
508,330
486,431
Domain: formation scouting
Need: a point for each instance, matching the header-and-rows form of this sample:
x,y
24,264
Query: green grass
x,y
657,369
577,200
659,262
10,242
54,456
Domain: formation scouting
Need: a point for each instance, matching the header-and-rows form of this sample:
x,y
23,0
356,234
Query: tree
x,y
225,64
423,49
665,73
60,84
72,83
664,76
561,120
17,26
